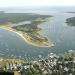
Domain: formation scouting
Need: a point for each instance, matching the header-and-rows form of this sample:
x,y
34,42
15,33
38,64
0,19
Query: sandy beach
x,y
24,37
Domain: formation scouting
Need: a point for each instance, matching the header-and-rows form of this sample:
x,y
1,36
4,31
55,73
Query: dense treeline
x,y
19,17
71,21
28,27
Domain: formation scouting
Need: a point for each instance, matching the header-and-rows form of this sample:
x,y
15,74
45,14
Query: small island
x,y
26,25
70,21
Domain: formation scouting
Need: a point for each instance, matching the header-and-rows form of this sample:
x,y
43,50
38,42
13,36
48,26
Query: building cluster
x,y
51,65
8,65
54,65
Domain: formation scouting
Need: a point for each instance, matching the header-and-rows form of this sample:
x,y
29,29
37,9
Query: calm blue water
x,y
62,35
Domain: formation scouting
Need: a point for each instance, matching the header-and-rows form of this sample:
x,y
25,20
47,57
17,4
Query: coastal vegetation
x,y
20,17
32,31
70,21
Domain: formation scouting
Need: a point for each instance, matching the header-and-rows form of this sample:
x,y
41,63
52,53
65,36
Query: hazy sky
x,y
10,3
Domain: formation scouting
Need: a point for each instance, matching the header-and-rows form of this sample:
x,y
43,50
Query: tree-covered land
x,y
20,17
70,21
32,31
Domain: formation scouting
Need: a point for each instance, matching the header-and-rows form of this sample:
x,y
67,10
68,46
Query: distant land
x,y
42,8
70,12
70,21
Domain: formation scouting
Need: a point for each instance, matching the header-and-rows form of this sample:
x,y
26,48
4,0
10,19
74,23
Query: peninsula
x,y
26,26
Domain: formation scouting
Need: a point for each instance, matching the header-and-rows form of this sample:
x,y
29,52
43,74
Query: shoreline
x,y
24,38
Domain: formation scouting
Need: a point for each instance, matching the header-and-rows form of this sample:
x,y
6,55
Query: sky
x,y
20,3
